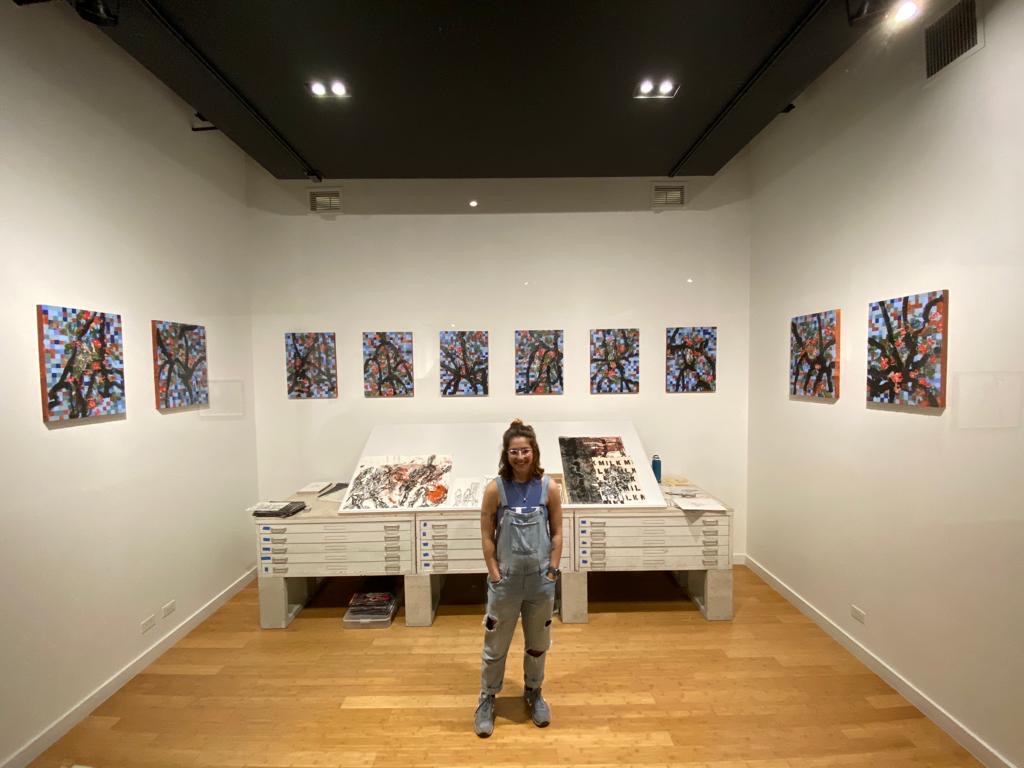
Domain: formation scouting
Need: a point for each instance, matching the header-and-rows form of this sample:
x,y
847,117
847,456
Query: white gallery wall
x,y
424,274
108,202
881,185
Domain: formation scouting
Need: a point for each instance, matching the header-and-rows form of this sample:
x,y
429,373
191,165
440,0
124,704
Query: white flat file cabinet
x,y
694,545
294,552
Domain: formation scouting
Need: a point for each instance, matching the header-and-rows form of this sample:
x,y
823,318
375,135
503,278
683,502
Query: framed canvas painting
x,y
907,350
463,363
615,360
539,362
691,359
814,355
311,365
387,364
179,365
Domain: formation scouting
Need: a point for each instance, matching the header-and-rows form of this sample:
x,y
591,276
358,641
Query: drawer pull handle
x,y
710,562
709,541
391,527
597,523
335,547
391,538
710,551
709,522
392,557
278,550
279,559
654,543
278,540
335,558
278,529
440,526
660,523
394,548
280,570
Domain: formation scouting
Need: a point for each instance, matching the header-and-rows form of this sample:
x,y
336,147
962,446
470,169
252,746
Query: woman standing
x,y
521,528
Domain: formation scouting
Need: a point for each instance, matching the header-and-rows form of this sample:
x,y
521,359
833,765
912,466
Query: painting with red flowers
x,y
81,363
814,355
179,365
539,362
614,360
463,364
387,364
691,359
907,350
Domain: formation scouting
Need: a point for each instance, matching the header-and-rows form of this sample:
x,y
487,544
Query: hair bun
x,y
516,423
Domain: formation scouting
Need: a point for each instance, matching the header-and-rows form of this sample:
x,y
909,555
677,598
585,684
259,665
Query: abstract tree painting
x,y
690,359
463,363
179,365
814,355
539,362
81,363
614,360
907,350
312,365
387,364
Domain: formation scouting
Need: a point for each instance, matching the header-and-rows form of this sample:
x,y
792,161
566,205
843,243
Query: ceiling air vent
x,y
325,201
666,197
951,36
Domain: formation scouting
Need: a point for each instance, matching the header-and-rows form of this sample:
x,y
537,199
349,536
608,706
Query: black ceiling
x,y
486,88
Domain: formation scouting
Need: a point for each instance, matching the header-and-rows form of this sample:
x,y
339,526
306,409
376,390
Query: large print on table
x,y
907,350
614,360
399,482
463,363
539,362
312,365
387,364
81,363
179,365
598,471
691,357
814,355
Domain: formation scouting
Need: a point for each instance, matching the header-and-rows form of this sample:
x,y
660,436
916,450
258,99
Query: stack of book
x,y
276,508
370,609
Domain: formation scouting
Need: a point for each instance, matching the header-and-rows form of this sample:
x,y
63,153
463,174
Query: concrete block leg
x,y
422,594
711,591
281,599
574,597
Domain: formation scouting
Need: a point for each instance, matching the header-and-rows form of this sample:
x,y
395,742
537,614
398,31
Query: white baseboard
x,y
932,710
49,736
739,558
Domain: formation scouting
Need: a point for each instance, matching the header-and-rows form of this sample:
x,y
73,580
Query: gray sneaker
x,y
540,712
483,721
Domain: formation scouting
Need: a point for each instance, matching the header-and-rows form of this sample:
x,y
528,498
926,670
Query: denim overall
x,y
524,552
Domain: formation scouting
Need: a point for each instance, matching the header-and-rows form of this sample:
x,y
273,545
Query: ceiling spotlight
x,y
473,203
906,11
97,12
318,89
689,279
338,88
645,89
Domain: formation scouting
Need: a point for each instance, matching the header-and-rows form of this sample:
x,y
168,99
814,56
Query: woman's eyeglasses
x,y
520,451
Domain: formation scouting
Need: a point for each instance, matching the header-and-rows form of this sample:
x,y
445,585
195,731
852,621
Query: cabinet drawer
x,y
651,562
288,548
674,537
336,569
336,557
339,527
472,547
332,538
453,566
590,524
460,527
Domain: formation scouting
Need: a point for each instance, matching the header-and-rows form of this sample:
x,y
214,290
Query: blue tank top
x,y
528,495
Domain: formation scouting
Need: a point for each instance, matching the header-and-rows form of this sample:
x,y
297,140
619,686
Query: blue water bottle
x,y
656,466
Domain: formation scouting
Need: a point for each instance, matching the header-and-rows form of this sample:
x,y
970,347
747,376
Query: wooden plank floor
x,y
644,684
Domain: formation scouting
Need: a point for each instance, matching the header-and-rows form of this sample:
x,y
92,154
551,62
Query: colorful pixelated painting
x,y
814,355
539,362
907,350
598,471
311,364
387,364
690,359
179,365
81,363
463,363
399,482
614,360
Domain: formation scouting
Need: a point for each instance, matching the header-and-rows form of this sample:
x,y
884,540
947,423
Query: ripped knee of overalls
x,y
490,623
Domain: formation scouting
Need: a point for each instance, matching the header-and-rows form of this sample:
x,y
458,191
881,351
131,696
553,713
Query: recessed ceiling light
x,y
906,11
665,88
452,324
318,88
473,203
689,279
646,87
338,88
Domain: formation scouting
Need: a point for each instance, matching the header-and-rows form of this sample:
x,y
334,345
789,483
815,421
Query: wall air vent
x,y
951,36
325,201
668,197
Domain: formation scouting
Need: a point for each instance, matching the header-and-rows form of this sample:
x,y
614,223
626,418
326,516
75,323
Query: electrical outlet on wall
x,y
857,613
168,609
148,623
